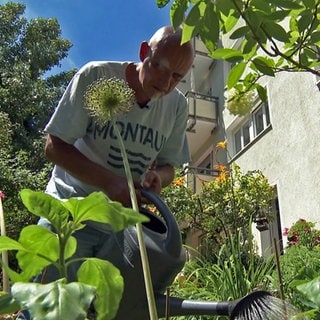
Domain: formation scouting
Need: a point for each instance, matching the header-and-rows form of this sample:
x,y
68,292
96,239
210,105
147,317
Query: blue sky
x,y
101,29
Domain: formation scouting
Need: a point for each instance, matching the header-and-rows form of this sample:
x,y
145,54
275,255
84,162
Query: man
x,y
87,156
80,149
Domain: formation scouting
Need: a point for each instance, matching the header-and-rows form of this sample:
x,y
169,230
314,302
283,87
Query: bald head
x,y
165,61
167,35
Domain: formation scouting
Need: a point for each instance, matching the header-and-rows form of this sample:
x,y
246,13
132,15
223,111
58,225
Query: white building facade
x,y
280,137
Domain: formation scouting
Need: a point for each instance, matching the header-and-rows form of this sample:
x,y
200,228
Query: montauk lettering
x,y
129,132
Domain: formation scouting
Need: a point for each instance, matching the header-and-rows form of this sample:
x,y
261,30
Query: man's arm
x,y
73,161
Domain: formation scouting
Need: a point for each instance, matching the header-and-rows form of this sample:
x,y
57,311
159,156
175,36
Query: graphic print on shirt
x,y
148,141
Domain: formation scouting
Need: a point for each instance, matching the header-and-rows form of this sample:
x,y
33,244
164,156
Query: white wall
x,y
289,154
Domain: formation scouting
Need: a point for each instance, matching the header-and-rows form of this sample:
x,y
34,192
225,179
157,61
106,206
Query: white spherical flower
x,y
105,98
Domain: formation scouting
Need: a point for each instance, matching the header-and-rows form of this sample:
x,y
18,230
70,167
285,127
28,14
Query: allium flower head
x,y
105,98
240,103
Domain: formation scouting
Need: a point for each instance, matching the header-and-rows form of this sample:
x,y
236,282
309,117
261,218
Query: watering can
x,y
166,257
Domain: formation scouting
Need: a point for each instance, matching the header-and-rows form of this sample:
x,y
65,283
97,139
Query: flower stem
x,y
5,278
142,246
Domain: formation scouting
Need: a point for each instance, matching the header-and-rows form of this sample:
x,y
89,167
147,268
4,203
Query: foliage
x,y
274,36
300,268
28,95
303,233
233,273
96,277
235,198
311,298
182,201
299,265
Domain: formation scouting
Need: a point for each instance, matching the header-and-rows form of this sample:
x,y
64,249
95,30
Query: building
x,y
280,137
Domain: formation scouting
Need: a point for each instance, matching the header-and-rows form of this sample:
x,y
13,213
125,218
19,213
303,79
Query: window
x,y
256,123
242,136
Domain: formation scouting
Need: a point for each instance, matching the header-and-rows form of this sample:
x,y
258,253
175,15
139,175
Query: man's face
x,y
163,68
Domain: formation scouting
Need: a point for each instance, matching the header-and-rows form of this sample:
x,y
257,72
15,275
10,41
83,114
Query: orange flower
x,y
179,182
220,167
222,144
223,176
223,172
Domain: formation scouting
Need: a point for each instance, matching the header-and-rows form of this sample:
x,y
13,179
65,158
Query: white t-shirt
x,y
154,133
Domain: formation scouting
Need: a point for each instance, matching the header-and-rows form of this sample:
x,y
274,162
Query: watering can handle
x,y
173,242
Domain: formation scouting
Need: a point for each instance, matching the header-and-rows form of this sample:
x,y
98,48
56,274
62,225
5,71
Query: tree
x,y
28,50
275,36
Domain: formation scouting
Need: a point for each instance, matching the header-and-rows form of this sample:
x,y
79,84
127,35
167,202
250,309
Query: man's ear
x,y
144,50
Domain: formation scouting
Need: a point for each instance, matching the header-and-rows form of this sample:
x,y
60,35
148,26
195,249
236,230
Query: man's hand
x,y
152,181
157,178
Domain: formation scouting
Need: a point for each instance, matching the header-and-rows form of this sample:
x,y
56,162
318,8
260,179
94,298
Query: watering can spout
x,y
183,307
235,309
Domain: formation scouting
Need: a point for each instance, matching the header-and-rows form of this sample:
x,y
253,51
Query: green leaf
x,y
304,20
97,207
240,32
225,7
37,242
44,205
209,30
287,4
276,31
8,304
193,16
312,291
56,300
177,12
261,5
106,278
264,65
249,47
187,33
262,92
279,15
162,3
235,74
315,37
226,53
230,22
7,243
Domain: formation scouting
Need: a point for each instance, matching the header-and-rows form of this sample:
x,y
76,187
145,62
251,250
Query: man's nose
x,y
165,81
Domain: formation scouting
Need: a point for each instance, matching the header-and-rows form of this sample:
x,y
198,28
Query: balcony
x,y
202,119
199,72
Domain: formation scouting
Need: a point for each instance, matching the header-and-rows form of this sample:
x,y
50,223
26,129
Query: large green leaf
x,y
235,74
311,291
97,207
41,249
56,300
109,283
44,205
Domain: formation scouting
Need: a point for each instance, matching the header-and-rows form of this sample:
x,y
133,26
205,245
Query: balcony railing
x,y
202,108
